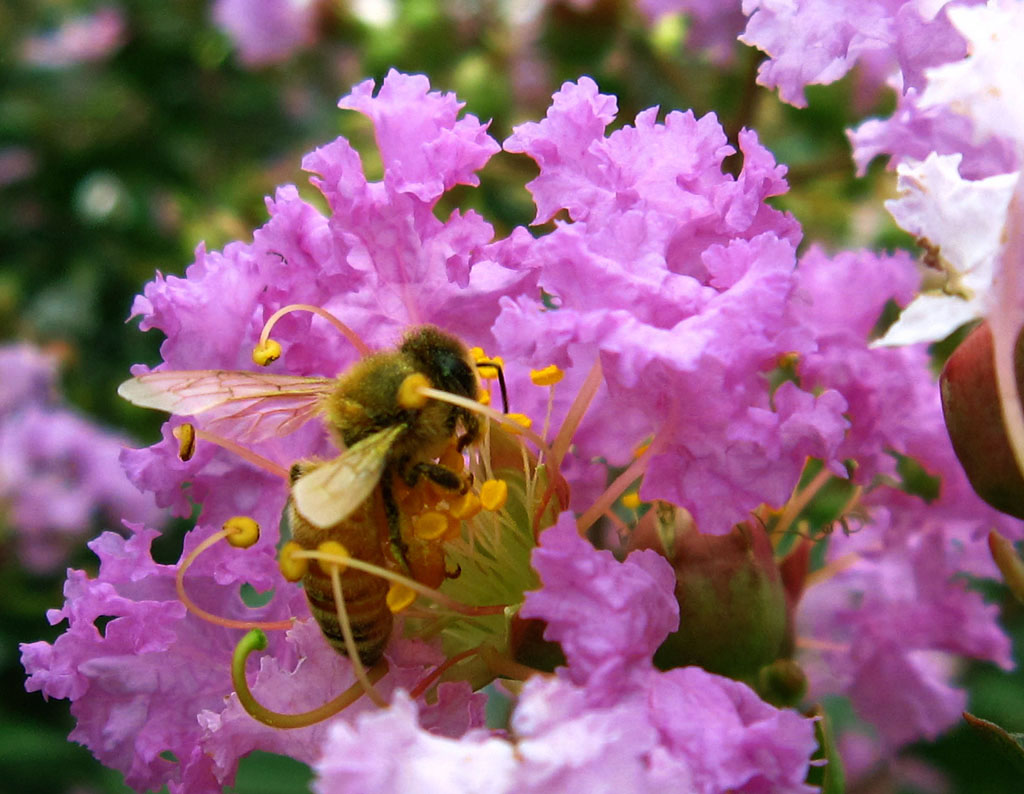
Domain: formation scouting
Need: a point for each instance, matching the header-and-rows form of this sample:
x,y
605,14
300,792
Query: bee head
x,y
442,358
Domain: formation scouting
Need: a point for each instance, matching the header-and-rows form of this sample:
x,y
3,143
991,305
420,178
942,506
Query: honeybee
x,y
386,437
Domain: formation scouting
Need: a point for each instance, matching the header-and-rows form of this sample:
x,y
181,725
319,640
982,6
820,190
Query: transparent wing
x,y
328,494
250,405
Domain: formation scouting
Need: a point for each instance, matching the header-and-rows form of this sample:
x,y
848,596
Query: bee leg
x,y
472,425
391,512
437,473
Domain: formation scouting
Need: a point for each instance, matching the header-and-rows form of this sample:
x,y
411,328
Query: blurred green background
x,y
117,166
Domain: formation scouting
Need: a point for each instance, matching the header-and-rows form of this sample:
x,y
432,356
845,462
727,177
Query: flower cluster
x,y
59,473
714,365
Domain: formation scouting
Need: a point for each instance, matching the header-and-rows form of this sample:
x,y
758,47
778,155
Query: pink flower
x,y
83,39
588,729
59,472
268,31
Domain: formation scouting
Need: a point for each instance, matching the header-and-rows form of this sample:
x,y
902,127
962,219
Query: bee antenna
x,y
501,381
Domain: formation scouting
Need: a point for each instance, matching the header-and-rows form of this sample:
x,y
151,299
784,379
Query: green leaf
x,y
1011,745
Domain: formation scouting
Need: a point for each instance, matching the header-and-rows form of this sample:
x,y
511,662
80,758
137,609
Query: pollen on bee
x,y
494,495
399,597
410,394
293,567
186,435
430,525
548,376
333,549
242,531
266,351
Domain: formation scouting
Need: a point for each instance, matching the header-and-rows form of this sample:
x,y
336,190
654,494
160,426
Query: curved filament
x,y
347,332
256,640
350,642
198,611
412,584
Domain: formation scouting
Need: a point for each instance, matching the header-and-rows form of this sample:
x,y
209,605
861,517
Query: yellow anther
x,y
520,419
334,549
493,494
477,354
430,525
631,500
466,506
548,376
242,531
484,397
266,351
186,435
292,567
641,449
486,370
409,395
399,597
789,360
452,459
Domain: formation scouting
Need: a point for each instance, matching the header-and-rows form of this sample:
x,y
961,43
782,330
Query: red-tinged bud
x,y
733,616
974,419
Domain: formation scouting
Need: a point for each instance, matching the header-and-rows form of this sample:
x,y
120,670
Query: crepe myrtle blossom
x,y
268,31
608,721
78,40
669,285
59,472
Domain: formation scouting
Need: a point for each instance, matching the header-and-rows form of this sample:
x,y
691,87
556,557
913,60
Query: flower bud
x,y
974,420
733,616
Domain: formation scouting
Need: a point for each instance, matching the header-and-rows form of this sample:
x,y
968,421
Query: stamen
x,y
266,351
293,567
576,413
548,376
435,595
494,495
799,501
616,489
420,689
399,597
256,640
430,525
410,392
246,454
520,421
347,332
494,416
631,500
186,435
466,506
199,612
243,532
346,632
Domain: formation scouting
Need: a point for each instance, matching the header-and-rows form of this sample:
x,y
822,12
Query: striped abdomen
x,y
365,594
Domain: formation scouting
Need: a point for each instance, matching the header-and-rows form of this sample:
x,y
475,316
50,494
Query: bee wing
x,y
329,493
253,405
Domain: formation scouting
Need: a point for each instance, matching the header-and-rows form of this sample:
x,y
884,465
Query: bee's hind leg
x,y
391,511
435,472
